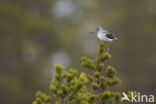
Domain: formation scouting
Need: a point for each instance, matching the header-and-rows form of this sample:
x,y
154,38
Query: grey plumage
x,y
105,35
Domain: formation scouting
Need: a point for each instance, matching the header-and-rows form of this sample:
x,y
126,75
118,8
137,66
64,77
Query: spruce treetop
x,y
74,87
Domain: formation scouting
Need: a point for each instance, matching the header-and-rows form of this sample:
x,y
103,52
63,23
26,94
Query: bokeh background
x,y
37,34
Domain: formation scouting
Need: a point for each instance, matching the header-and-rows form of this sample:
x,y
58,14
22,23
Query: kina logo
x,y
138,98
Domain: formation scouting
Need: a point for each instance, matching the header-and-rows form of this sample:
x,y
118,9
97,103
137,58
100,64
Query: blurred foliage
x,y
84,88
26,40
33,31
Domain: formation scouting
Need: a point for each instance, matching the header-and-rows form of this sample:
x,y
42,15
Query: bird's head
x,y
98,29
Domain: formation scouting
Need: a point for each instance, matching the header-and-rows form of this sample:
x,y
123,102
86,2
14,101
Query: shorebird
x,y
105,35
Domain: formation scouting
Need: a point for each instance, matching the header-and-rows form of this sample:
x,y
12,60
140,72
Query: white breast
x,y
102,36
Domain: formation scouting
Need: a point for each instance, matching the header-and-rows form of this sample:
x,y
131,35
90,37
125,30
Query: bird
x,y
105,35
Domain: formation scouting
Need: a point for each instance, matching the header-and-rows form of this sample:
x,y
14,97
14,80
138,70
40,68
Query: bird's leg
x,y
108,47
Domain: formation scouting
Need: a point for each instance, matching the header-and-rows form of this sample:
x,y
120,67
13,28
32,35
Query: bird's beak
x,y
90,33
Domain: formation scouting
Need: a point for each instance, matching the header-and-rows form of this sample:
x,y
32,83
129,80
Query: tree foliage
x,y
73,87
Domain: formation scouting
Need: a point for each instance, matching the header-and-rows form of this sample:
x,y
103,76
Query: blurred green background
x,y
37,34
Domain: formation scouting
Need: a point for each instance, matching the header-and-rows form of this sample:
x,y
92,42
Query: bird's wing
x,y
110,35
